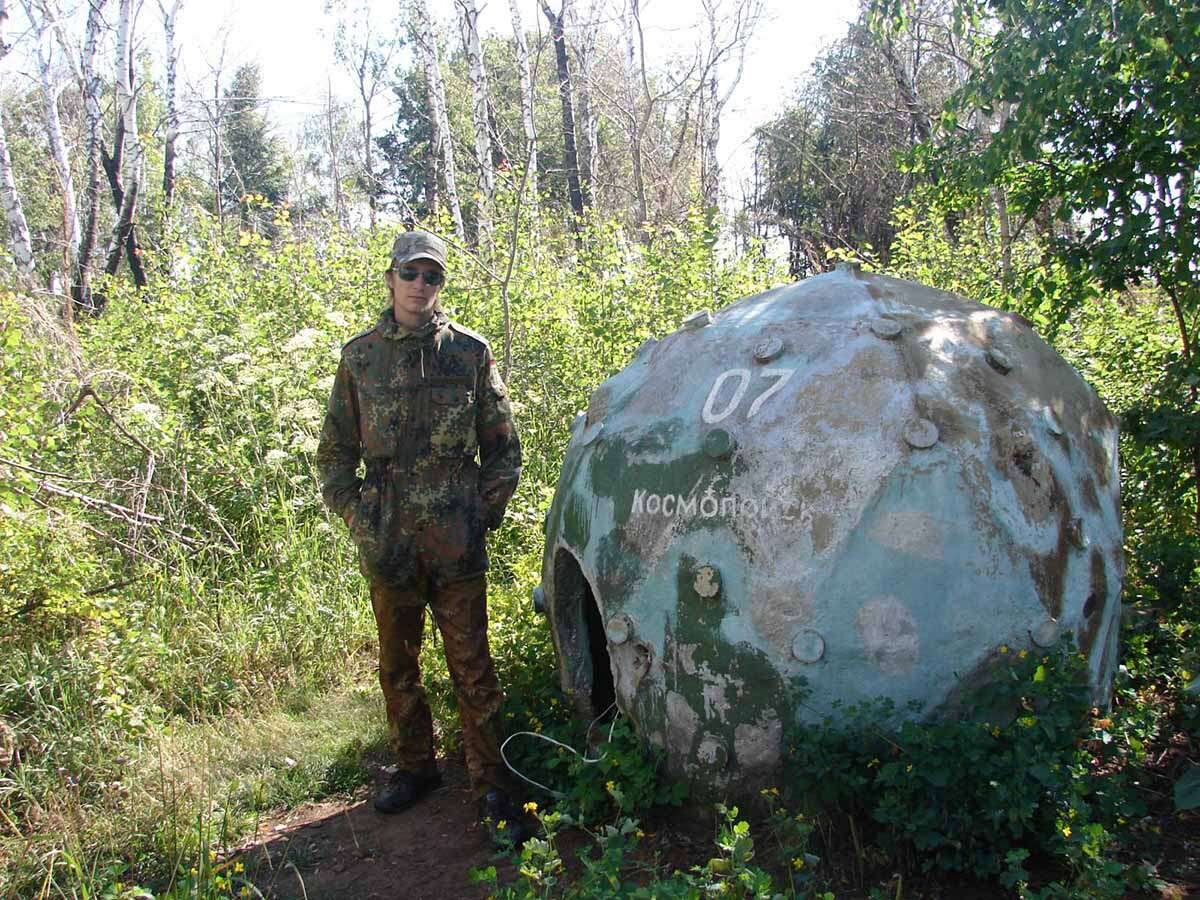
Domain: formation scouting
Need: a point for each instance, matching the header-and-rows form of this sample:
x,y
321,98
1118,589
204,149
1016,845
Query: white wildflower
x,y
275,457
148,412
303,339
308,410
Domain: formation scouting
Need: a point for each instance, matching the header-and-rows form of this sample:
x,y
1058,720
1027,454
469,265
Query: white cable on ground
x,y
559,795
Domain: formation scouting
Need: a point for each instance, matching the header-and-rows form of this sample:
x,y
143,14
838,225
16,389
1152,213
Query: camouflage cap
x,y
412,245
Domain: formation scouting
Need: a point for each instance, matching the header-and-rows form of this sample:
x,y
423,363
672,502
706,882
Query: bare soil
x,y
345,849
342,848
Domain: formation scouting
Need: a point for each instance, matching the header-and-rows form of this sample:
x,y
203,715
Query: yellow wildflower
x,y
1004,648
798,863
530,807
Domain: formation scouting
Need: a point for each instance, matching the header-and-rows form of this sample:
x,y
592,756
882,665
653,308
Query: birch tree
x,y
477,75
92,90
368,56
584,31
214,108
333,143
42,17
729,31
125,166
14,213
170,17
635,72
566,100
443,143
527,100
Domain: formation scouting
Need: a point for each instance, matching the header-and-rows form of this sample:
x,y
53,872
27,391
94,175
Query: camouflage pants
x,y
460,611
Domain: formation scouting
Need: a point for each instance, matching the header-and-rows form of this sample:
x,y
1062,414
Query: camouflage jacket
x,y
417,408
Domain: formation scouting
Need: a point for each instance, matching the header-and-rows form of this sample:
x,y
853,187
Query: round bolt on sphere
x,y
697,320
920,434
874,518
1047,633
768,348
808,646
719,443
707,583
886,328
999,361
617,630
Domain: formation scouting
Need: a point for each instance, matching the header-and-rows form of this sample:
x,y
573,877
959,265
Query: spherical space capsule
x,y
850,488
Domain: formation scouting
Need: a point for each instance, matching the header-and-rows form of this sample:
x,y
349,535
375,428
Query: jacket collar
x,y
389,328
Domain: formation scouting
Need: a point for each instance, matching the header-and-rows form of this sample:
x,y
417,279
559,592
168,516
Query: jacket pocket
x,y
452,419
364,524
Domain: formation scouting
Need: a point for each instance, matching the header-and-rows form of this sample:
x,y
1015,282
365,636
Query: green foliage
x,y
628,777
614,867
197,403
254,160
972,794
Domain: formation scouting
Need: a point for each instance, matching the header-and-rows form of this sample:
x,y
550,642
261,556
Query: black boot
x,y
404,789
508,826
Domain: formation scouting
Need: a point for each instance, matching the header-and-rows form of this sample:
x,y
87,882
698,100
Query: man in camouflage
x,y
416,399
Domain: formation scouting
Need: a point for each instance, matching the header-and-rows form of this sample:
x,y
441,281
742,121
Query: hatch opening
x,y
581,637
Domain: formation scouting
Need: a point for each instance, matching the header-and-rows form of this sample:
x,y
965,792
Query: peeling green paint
x,y
795,506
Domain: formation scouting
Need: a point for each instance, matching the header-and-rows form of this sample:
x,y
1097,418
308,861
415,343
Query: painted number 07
x,y
712,415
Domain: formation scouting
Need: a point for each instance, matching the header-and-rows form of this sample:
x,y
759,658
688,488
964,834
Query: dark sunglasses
x,y
430,276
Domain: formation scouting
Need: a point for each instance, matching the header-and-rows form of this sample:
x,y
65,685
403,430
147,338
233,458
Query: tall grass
x,y
183,611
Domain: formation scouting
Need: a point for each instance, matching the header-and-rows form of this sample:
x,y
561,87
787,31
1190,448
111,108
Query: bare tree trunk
x,y
335,173
571,161
369,166
1000,198
92,90
42,20
368,56
710,130
130,180
526,101
636,120
170,17
22,246
585,48
427,41
477,75
215,116
14,213
729,33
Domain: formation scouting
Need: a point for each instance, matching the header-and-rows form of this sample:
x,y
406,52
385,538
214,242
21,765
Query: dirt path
x,y
344,849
